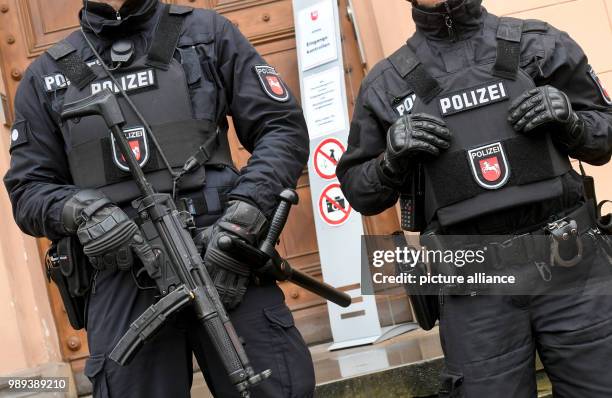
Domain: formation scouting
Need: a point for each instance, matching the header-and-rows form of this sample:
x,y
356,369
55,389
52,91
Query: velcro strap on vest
x,y
204,153
167,36
172,138
195,205
534,25
71,64
414,73
509,34
454,167
178,140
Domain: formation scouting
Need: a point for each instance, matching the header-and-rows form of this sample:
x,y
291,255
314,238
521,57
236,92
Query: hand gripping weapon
x,y
185,281
177,267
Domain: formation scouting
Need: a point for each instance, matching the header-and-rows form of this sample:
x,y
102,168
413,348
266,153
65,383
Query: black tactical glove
x,y
412,139
108,236
228,271
549,108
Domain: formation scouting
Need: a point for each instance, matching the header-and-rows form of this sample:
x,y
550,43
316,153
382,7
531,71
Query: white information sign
x,y
323,106
317,35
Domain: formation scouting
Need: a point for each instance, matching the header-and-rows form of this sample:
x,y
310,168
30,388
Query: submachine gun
x,y
177,267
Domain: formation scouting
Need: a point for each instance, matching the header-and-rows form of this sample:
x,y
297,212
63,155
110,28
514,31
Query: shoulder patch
x,y
19,134
602,90
55,82
271,83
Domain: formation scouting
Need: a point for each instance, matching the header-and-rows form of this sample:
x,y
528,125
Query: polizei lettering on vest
x,y
485,152
472,98
129,82
55,82
404,106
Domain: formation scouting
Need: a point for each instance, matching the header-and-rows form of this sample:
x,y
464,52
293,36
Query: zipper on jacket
x,y
450,24
118,16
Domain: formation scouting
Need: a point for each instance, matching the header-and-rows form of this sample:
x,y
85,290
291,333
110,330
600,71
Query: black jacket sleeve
x,y
358,169
38,180
273,131
567,69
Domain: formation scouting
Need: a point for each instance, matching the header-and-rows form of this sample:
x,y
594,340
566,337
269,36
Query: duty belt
x,y
528,248
525,248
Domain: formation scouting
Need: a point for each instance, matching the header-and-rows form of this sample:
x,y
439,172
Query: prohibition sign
x,y
326,157
333,206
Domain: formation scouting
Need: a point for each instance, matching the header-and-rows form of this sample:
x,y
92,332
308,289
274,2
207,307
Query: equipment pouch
x,y
588,185
589,188
425,304
71,272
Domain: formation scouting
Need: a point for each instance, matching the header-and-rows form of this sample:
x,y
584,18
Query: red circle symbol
x,y
333,206
326,158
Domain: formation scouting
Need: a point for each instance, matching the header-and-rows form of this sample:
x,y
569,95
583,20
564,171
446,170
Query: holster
x,y
71,272
425,306
604,221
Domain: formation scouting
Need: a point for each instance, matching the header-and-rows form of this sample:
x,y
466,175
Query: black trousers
x,y
490,342
163,367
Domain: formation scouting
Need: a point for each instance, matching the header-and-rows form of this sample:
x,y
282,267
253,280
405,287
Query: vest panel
x,y
489,167
162,96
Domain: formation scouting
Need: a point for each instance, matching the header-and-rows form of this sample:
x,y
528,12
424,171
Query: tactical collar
x,y
103,20
465,16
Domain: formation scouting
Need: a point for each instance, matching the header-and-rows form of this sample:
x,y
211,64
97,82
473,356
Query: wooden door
x,y
28,28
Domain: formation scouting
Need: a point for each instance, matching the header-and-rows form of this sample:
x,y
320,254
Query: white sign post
x,y
338,226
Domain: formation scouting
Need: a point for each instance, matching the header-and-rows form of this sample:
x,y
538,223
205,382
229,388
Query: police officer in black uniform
x,y
185,70
487,110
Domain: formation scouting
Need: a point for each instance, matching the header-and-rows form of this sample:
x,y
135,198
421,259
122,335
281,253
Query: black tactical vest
x,y
157,85
489,167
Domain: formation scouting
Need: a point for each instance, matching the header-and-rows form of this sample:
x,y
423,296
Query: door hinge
x,y
351,15
4,111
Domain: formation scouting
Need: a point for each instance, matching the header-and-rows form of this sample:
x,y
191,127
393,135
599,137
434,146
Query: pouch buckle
x,y
561,232
52,260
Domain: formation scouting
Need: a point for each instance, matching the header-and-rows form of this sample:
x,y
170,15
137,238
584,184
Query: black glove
x,y
229,272
412,139
549,108
108,236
